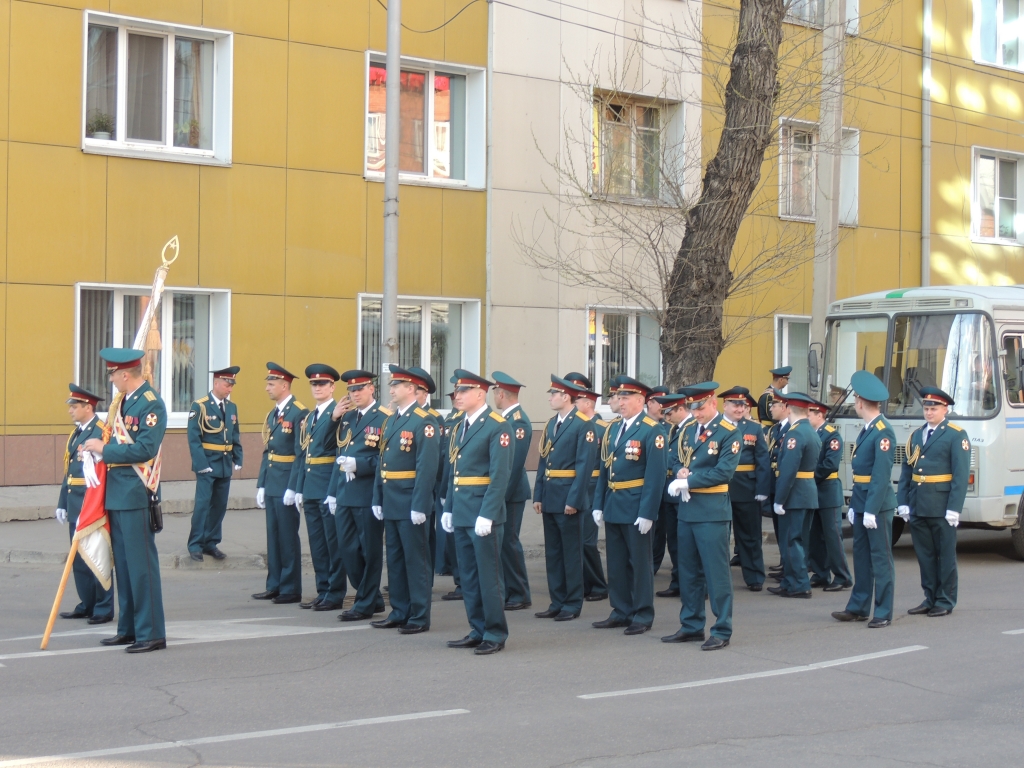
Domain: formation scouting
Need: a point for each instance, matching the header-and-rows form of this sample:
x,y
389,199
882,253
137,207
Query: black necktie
x,y
700,431
929,435
359,415
554,432
465,428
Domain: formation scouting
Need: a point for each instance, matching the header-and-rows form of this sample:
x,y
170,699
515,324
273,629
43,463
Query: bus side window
x,y
1014,385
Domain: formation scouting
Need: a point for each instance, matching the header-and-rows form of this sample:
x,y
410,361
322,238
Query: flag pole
x,y
60,594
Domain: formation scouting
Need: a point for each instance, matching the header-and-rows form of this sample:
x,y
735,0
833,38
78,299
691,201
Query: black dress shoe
x,y
548,614
215,553
847,616
467,642
735,561
566,616
270,594
411,630
938,612
196,556
455,594
922,609
286,599
714,644
775,576
776,568
118,640
667,593
684,637
596,597
327,605
805,595
815,583
486,648
101,619
351,615
385,624
517,606
635,629
878,623
755,587
836,586
147,646
780,591
609,624
310,603
75,614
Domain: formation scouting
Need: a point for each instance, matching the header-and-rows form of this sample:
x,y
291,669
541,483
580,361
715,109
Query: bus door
x,y
1012,343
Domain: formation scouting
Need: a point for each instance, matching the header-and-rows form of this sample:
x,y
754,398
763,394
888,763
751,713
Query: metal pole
x,y
926,145
392,132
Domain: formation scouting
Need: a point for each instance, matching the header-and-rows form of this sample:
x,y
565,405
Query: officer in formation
x,y
451,422
95,602
709,451
215,443
423,394
750,485
780,413
834,570
136,423
275,488
513,561
480,452
567,457
676,415
932,489
403,497
358,423
595,587
628,497
796,494
780,379
872,507
318,444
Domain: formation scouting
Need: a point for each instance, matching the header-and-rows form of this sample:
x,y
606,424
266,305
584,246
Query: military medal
x,y
406,441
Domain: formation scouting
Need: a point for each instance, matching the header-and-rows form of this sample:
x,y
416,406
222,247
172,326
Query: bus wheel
x,y
897,529
1017,533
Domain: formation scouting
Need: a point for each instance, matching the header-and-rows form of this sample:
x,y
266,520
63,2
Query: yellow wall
x,y
291,228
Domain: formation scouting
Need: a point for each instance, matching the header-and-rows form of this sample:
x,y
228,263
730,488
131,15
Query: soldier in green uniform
x,y
360,423
481,455
872,507
750,485
774,433
708,453
676,414
932,489
403,495
595,587
95,603
275,488
628,497
796,494
780,378
567,457
318,445
423,400
451,422
513,561
137,422
215,442
835,570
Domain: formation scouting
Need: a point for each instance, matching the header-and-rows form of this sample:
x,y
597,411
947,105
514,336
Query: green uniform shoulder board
x,y
829,428
517,416
150,395
879,425
497,417
300,406
385,411
100,423
954,426
727,425
420,412
650,422
583,416
203,399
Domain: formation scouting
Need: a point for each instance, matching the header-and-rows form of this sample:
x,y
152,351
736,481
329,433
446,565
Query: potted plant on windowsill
x,y
187,134
100,126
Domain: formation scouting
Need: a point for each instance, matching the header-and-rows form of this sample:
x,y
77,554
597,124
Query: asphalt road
x,y
950,692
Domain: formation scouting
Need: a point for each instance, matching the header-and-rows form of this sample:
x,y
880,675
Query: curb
x,y
169,507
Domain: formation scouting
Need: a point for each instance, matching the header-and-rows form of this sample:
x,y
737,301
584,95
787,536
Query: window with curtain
x,y
796,166
620,342
996,205
193,103
95,332
101,83
627,149
997,30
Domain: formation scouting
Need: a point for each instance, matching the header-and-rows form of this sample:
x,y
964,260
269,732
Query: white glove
x,y
870,521
903,511
442,503
483,526
204,471
643,524
446,522
298,499
89,461
61,515
238,467
332,504
779,510
953,518
260,502
378,512
347,463
418,518
760,498
289,498
350,476
676,487
598,516
851,515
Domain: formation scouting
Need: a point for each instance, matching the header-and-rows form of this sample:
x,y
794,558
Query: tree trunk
x,y
692,333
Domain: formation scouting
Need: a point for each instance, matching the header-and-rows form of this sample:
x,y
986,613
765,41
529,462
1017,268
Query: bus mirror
x,y
813,372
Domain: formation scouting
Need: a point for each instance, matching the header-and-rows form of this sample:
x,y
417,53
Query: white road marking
x,y
1014,632
232,737
756,675
106,629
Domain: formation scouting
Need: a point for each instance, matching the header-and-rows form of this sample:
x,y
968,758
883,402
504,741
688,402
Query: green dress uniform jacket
x,y
826,474
567,457
513,559
712,459
872,462
633,471
594,582
146,419
753,476
279,471
358,437
797,492
834,567
408,464
214,439
318,447
522,432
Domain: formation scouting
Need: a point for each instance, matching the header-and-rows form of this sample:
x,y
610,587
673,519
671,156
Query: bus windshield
x,y
856,343
952,352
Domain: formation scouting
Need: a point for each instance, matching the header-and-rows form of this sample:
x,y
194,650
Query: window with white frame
x,y
996,213
627,149
792,341
189,338
808,12
621,342
997,32
849,177
438,335
441,126
156,90
796,170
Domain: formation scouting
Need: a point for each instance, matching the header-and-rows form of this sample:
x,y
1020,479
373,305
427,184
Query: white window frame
x,y
976,39
223,86
816,23
849,178
671,150
219,338
781,332
787,125
476,122
600,310
852,12
976,152
849,171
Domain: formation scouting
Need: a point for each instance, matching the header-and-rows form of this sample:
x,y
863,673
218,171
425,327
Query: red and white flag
x,y
93,530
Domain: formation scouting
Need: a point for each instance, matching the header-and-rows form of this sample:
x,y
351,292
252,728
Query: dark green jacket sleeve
x,y
493,504
960,460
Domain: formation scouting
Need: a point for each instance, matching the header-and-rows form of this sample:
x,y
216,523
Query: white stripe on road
x,y
1014,632
756,675
100,629
232,737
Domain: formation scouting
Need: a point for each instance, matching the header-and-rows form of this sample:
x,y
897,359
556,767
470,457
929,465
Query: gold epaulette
x,y
101,423
149,395
420,412
434,413
602,423
203,399
583,416
299,405
727,425
951,425
517,416
384,410
650,422
829,428
879,425
497,417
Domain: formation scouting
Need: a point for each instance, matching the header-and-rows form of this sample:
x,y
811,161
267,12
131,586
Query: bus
x,y
967,340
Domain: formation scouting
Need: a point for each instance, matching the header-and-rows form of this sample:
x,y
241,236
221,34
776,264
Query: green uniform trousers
x,y
704,569
482,588
513,560
746,525
409,573
935,547
630,573
873,570
791,528
361,544
140,600
284,552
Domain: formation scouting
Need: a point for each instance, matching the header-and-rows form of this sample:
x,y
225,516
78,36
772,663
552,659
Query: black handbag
x,y
156,515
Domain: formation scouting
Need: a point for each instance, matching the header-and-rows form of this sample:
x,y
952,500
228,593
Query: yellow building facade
x,y
242,127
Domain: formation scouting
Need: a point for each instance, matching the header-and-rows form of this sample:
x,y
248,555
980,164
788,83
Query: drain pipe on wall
x,y
926,144
489,231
